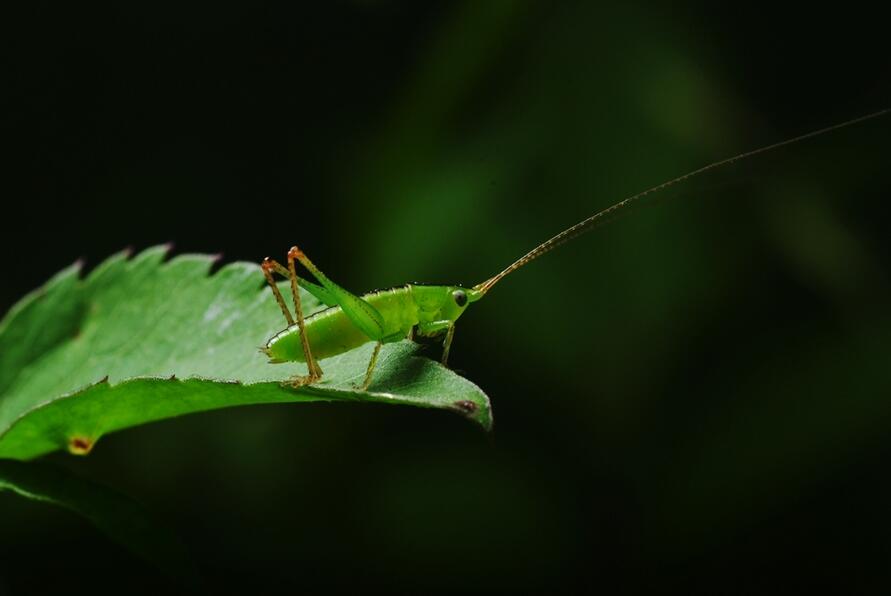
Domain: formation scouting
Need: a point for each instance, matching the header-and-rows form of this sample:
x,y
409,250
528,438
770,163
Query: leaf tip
x,y
472,411
216,263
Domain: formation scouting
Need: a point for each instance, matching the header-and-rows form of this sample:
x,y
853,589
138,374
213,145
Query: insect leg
x,y
323,295
270,265
447,344
435,328
371,364
315,372
361,313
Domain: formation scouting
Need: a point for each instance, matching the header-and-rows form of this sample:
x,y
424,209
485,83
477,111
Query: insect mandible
x,y
412,310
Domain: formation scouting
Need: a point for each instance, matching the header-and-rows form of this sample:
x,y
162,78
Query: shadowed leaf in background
x,y
118,517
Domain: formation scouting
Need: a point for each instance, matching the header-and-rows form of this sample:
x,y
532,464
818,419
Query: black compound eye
x,y
460,297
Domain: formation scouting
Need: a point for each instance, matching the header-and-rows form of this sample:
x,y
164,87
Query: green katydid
x,y
411,310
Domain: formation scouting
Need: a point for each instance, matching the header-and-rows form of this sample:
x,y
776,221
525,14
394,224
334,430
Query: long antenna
x,y
599,217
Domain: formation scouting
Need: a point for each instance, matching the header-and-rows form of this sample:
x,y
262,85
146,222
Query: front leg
x,y
435,328
447,344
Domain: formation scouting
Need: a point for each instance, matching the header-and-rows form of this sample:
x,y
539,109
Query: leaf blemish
x,y
466,406
79,445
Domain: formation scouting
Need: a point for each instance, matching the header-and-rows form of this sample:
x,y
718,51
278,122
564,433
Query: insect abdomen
x,y
330,332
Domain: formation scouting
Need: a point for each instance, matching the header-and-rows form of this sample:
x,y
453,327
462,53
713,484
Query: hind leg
x,y
270,266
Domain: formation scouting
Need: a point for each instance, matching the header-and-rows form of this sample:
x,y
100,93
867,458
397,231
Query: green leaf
x,y
141,339
118,517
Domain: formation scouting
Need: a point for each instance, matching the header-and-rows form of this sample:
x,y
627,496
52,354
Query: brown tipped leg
x,y
301,381
270,265
369,372
447,344
315,372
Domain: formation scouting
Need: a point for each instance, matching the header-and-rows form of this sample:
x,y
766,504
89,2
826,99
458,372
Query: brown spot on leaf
x,y
79,445
466,406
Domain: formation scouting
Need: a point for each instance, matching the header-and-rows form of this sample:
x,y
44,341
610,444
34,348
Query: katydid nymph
x,y
412,310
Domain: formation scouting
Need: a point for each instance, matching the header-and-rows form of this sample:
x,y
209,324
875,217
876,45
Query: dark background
x,y
695,396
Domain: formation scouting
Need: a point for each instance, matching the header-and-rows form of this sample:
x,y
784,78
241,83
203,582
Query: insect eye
x,y
460,297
